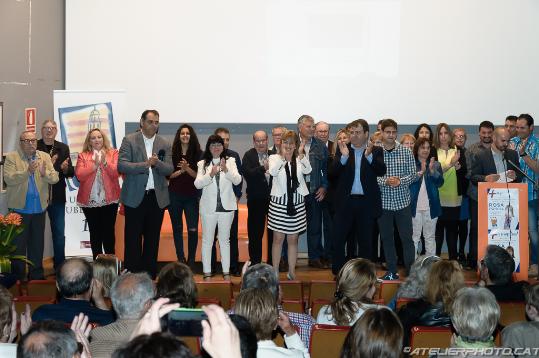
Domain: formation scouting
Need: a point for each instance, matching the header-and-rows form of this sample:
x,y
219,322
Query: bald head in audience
x,y
48,339
74,279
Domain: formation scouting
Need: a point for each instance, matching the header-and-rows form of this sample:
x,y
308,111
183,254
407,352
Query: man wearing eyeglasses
x,y
28,173
61,161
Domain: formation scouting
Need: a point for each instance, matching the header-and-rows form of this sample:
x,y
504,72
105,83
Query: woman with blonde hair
x,y
407,140
106,269
341,136
434,308
99,189
355,288
287,215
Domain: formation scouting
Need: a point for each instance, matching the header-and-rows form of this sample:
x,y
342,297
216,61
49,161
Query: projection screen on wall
x,y
245,61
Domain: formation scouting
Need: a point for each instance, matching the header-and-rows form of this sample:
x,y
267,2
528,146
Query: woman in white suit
x,y
287,202
215,176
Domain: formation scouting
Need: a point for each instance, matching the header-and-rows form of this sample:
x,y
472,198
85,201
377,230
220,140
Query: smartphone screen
x,y
186,322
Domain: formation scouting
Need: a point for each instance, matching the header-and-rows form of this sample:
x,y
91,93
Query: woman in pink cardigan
x,y
99,189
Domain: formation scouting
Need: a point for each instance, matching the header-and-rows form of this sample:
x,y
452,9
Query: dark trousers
x,y
450,228
180,204
257,210
313,210
472,250
30,243
233,245
402,219
101,223
144,220
57,214
352,216
462,231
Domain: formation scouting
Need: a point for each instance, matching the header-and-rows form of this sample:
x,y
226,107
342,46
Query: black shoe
x,y
316,264
326,263
235,272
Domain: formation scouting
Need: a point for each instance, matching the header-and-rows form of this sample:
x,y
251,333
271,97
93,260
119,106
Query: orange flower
x,y
12,219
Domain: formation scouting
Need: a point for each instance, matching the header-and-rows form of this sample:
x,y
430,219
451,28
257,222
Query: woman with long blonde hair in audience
x,y
354,291
444,279
99,190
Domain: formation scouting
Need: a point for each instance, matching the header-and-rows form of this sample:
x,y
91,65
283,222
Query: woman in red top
x,y
99,189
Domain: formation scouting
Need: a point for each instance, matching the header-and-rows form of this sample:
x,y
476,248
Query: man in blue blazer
x,y
357,199
145,159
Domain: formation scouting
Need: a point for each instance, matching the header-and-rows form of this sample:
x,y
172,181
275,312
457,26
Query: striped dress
x,y
280,221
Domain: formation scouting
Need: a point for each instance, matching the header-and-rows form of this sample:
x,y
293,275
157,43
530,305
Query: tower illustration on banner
x,y
94,120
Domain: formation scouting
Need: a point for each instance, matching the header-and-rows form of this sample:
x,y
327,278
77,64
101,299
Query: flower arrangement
x,y
10,228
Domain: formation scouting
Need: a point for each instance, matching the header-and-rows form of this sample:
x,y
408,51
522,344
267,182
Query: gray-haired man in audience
x,y
131,296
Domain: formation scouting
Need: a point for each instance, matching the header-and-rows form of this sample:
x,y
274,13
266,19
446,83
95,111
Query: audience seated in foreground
x,y
176,282
75,282
264,276
414,285
475,314
497,269
377,333
525,334
156,345
259,306
443,282
105,268
131,295
50,339
355,288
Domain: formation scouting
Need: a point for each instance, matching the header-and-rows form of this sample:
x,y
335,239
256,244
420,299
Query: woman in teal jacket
x,y
425,200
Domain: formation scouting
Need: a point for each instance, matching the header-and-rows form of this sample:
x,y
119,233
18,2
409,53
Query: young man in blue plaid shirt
x,y
394,188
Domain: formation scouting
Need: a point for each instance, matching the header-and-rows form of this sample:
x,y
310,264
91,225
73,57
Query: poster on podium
x,y
503,221
77,112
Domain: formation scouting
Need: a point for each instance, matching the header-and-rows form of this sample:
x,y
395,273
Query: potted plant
x,y
10,227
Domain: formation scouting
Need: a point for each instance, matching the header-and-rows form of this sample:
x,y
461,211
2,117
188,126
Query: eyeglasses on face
x,y
28,141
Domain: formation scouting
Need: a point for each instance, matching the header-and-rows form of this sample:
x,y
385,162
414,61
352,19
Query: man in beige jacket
x,y
28,173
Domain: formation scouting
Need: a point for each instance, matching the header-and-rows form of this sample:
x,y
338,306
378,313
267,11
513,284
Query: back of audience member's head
x,y
74,277
261,276
248,342
376,334
532,301
156,345
414,286
500,265
176,281
131,295
48,339
259,307
5,313
105,270
475,314
443,281
355,285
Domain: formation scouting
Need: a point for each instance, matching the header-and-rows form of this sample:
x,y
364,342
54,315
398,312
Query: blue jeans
x,y
57,218
178,205
532,230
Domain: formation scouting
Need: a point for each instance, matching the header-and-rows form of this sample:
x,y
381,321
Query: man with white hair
x,y
131,296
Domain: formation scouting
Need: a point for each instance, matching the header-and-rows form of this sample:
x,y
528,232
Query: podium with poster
x,y
503,211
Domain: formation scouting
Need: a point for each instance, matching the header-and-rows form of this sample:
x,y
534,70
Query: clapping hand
x,y
223,165
343,148
82,329
368,150
214,170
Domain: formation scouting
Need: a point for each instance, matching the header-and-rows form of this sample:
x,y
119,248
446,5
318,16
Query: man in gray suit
x,y
145,159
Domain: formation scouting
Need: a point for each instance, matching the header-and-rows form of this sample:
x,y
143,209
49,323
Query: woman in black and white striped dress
x,y
287,216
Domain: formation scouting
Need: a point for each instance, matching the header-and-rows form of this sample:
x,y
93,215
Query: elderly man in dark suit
x,y
145,159
358,200
255,171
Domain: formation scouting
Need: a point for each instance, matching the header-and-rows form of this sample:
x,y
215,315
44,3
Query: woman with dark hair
x,y
378,333
184,196
423,131
216,175
287,216
99,189
425,200
176,281
355,288
453,167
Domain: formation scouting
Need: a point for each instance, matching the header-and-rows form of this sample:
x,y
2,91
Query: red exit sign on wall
x,y
30,115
